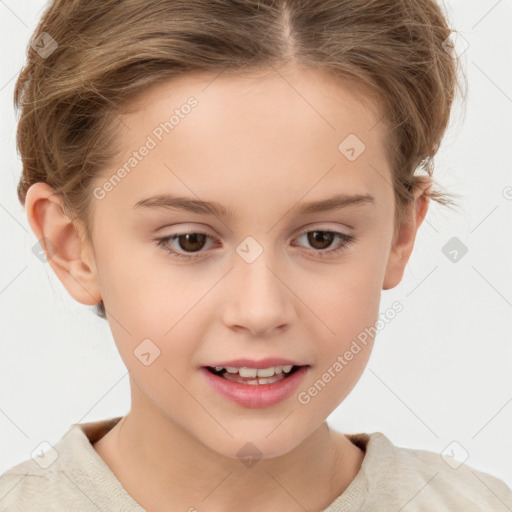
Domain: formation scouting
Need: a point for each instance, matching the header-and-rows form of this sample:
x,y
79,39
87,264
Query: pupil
x,y
316,236
191,238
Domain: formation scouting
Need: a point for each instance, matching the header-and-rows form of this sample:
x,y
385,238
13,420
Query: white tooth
x,y
218,368
231,369
287,368
278,370
266,372
270,380
248,372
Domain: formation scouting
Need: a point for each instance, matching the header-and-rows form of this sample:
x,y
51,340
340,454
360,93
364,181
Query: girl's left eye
x,y
195,241
319,236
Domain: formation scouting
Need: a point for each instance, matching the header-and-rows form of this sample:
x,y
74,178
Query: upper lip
x,y
251,363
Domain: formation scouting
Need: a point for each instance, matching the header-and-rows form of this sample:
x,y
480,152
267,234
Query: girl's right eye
x,y
192,240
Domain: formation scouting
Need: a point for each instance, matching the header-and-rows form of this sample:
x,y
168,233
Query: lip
x,y
258,395
251,363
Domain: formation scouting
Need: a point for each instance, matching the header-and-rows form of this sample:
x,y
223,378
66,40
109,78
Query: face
x,y
258,277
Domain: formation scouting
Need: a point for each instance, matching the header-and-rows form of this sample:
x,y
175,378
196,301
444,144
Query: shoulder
x,y
68,476
27,484
31,482
427,480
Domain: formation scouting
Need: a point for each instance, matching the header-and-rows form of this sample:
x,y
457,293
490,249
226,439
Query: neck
x,y
159,463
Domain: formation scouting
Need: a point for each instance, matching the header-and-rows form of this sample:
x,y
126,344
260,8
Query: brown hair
x,y
110,51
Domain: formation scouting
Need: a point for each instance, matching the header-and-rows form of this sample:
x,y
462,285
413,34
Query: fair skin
x,y
254,145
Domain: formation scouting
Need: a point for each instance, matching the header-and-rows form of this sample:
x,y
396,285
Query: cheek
x,y
149,298
345,298
135,281
346,308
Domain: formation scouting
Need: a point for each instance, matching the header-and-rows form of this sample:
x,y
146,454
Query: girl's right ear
x,y
70,257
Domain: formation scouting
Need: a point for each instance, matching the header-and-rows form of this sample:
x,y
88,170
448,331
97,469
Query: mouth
x,y
255,376
252,387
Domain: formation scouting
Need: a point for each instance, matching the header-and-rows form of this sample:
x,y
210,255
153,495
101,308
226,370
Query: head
x,y
259,107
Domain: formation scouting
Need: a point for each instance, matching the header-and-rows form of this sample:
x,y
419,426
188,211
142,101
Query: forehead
x,y
233,100
294,131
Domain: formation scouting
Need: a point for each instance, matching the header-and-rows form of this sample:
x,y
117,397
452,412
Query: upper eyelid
x,y
313,226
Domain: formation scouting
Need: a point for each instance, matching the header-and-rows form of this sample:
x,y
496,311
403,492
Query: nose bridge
x,y
258,278
260,300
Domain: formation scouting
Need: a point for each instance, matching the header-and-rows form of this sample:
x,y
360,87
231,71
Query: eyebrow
x,y
191,205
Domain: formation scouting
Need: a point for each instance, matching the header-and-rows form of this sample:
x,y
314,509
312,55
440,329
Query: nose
x,y
260,300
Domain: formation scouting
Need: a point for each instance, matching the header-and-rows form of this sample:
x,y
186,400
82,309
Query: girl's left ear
x,y
404,242
65,248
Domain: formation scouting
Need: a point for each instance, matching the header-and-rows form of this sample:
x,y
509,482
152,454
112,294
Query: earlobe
x,y
404,243
61,238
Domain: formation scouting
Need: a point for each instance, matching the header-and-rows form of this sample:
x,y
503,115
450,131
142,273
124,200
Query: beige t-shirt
x,y
72,477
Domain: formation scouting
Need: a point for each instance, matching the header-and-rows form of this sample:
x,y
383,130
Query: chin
x,y
254,447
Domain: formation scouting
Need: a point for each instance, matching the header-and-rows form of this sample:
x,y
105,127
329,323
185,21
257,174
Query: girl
x,y
232,183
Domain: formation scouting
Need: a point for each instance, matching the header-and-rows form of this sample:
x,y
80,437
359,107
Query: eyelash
x,y
347,240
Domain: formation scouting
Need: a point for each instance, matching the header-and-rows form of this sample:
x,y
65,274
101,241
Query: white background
x,y
439,372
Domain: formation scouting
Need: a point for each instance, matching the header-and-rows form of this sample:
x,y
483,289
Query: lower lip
x,y
257,395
